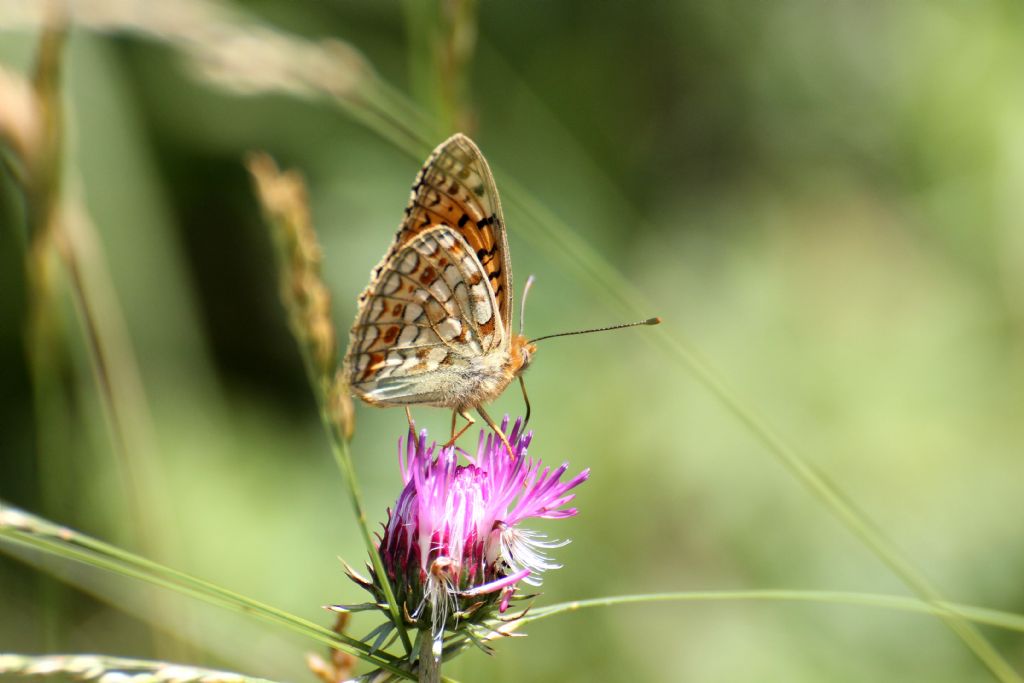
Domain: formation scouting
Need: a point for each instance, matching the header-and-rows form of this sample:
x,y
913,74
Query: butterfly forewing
x,y
456,188
422,320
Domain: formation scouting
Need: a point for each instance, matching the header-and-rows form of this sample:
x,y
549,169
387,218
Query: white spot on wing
x,y
391,284
446,240
370,335
449,329
412,313
391,362
462,298
408,336
376,308
439,288
409,262
427,246
452,276
481,304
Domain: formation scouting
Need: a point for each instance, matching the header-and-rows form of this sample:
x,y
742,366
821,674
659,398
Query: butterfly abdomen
x,y
458,386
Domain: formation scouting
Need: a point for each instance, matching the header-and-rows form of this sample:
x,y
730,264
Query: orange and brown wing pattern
x,y
455,188
424,318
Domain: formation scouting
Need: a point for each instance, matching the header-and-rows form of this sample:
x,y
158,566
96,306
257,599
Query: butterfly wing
x,y
425,317
455,188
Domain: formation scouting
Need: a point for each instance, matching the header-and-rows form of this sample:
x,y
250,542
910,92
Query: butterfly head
x,y
522,352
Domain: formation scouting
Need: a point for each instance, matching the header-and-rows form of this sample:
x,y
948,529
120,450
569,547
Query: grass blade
x,y
978,615
22,528
99,667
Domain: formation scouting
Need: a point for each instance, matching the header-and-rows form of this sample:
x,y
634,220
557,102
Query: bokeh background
x,y
825,198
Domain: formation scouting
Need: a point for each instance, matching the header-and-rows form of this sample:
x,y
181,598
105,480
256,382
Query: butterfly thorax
x,y
520,356
485,378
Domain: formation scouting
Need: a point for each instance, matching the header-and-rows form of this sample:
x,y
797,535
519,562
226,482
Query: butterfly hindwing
x,y
426,315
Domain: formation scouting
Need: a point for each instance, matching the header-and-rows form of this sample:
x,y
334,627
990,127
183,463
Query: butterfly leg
x,y
526,400
408,416
497,430
469,423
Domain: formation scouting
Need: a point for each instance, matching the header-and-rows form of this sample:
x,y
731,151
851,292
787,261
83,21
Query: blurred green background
x,y
826,197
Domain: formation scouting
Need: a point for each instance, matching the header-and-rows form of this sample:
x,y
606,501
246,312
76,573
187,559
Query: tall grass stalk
x,y
442,39
45,335
101,668
22,528
305,298
211,632
60,233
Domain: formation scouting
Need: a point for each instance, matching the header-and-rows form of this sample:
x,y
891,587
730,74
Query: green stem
x,y
42,535
320,384
979,615
429,666
343,458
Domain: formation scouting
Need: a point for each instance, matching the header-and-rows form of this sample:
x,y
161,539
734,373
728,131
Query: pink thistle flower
x,y
453,548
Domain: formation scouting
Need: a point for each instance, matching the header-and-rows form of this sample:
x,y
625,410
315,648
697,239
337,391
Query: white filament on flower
x,y
524,549
441,594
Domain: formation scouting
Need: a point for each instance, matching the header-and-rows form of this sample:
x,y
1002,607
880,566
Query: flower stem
x,y
430,666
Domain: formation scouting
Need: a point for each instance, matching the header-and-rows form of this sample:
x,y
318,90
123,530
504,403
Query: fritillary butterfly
x,y
434,324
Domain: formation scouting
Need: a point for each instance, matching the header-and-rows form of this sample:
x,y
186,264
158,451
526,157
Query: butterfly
x,y
434,325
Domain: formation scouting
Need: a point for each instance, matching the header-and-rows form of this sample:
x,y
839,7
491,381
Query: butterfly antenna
x,y
522,306
649,321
